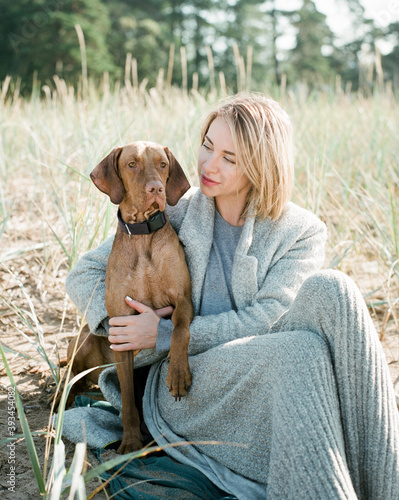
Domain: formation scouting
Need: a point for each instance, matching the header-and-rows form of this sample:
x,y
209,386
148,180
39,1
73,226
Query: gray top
x,y
217,293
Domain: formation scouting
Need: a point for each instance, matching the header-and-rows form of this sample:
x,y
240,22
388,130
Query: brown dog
x,y
147,263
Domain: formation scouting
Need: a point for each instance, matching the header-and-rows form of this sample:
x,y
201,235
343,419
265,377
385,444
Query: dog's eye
x,y
132,164
163,164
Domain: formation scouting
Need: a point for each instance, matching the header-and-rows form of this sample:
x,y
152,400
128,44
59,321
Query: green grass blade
x,y
4,222
7,440
394,210
25,428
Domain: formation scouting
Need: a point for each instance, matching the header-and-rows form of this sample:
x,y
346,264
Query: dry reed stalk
x,y
378,68
143,85
35,86
47,92
15,97
222,81
62,89
170,64
128,66
195,82
183,56
338,84
249,66
237,63
211,67
135,74
160,77
242,74
5,87
105,85
82,46
283,86
240,67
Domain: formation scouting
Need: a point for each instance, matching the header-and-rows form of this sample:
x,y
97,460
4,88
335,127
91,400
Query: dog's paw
x,y
178,380
130,443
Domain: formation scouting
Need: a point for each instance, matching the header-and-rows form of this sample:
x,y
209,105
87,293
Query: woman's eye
x,y
206,147
230,161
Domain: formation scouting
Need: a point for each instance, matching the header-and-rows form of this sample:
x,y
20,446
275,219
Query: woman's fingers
x,y
118,338
138,306
121,321
165,312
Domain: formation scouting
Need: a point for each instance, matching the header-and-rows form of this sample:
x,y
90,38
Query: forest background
x,y
199,43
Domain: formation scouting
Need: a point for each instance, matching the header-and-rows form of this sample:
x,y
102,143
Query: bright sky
x,y
383,12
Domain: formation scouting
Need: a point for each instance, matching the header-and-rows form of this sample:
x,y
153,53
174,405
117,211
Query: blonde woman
x,y
290,383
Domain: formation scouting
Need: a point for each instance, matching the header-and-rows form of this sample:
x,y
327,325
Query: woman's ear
x,y
177,183
106,179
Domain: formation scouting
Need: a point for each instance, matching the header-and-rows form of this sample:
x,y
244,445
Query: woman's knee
x,y
306,342
328,280
329,287
327,304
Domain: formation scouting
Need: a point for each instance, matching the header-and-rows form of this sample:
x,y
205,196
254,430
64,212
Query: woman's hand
x,y
138,331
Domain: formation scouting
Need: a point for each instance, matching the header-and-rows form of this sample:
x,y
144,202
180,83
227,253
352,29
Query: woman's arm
x,y
85,285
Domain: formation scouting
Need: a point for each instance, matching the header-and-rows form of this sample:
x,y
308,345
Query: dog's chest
x,y
143,269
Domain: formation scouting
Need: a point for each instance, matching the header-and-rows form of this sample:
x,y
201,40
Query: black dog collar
x,y
147,227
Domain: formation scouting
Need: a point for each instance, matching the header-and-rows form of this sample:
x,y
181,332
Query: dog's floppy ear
x,y
177,183
106,179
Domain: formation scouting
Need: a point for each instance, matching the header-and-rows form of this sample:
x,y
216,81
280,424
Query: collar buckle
x,y
128,230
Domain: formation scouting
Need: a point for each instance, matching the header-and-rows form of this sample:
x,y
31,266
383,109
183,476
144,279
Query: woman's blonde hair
x,y
262,135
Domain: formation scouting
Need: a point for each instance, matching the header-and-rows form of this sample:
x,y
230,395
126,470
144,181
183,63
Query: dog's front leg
x,y
131,440
178,379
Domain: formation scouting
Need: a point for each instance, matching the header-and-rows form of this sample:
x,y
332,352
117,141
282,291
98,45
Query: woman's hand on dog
x,y
137,331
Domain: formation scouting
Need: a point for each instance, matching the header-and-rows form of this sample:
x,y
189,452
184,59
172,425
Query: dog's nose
x,y
154,188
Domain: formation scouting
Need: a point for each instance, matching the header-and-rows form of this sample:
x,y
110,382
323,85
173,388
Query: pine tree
x,y
40,37
308,63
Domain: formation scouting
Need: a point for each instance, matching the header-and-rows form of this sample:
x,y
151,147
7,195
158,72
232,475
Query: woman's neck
x,y
231,210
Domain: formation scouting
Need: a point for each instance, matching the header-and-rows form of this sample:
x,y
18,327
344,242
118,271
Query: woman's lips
x,y
208,182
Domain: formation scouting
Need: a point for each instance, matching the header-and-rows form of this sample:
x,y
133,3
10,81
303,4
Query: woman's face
x,y
218,172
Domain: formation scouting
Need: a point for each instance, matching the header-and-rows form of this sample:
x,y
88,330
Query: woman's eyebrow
x,y
225,151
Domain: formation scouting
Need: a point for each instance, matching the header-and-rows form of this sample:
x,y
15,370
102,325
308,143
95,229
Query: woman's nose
x,y
210,165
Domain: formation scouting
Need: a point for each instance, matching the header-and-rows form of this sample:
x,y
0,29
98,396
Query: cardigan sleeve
x,y
85,285
281,284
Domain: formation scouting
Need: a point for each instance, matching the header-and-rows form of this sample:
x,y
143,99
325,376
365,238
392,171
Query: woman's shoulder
x,y
300,217
295,220
177,213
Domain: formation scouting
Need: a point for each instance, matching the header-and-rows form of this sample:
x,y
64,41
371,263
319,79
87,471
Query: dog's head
x,y
144,175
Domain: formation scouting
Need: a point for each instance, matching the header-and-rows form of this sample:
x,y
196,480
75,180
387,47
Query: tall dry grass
x,y
346,163
347,172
